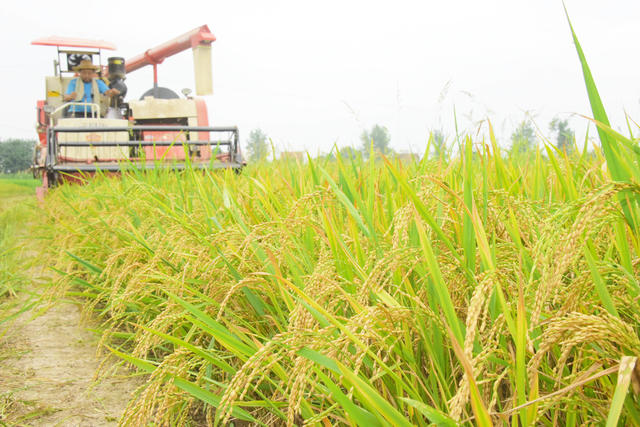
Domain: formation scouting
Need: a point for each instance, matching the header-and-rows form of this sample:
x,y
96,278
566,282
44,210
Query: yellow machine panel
x,y
93,154
152,108
55,87
202,68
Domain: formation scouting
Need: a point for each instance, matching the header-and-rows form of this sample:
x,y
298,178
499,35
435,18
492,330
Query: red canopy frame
x,y
73,42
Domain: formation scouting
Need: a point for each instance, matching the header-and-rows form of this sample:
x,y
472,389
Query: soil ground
x,y
47,375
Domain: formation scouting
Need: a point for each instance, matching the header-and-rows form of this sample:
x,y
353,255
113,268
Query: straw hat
x,y
85,64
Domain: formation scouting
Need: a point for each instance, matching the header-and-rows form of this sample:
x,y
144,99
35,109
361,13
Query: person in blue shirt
x,y
90,89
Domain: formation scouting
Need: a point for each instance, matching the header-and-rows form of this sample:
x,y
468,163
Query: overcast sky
x,y
314,74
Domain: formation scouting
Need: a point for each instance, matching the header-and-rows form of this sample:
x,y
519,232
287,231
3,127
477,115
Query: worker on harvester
x,y
84,92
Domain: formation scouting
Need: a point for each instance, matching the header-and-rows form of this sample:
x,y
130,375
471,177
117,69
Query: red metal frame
x,y
203,120
73,42
155,56
170,153
42,122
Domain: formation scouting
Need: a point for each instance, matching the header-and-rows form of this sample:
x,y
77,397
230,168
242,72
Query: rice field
x,y
477,290
481,289
16,206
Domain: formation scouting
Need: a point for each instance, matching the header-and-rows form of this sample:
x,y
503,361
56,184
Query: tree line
x,y
16,155
523,140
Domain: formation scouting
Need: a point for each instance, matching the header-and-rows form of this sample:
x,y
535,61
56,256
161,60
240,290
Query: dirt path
x,y
47,377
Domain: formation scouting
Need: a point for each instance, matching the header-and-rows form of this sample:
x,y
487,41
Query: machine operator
x,y
84,92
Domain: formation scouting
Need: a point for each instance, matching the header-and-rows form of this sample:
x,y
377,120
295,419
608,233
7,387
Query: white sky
x,y
314,74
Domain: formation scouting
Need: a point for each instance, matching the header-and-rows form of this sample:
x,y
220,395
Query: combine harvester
x,y
161,129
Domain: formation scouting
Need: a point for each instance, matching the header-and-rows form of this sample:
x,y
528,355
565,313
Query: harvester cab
x,y
80,135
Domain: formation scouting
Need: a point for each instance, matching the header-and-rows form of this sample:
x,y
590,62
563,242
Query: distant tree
x,y
16,155
523,138
564,135
438,144
257,145
349,152
380,137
